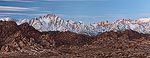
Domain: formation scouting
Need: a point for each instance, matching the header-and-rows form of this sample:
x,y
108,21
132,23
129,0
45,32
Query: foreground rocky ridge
x,y
25,41
16,37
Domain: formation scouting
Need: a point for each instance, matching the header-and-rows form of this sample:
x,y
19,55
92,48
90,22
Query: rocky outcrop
x,y
15,37
24,40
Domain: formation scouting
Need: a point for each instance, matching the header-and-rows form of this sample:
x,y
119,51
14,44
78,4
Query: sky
x,y
78,10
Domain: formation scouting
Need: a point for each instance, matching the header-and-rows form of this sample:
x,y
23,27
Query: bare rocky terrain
x,y
24,41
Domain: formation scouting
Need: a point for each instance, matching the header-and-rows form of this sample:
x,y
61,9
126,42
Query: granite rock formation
x,y
26,42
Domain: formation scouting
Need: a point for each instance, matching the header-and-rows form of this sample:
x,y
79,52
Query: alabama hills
x,y
51,38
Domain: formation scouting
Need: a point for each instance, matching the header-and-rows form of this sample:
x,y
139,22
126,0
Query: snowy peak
x,y
7,19
143,20
52,22
44,23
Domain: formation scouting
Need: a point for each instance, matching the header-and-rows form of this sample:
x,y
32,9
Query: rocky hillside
x,y
25,41
15,37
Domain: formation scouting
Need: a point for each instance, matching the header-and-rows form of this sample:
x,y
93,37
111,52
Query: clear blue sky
x,y
77,10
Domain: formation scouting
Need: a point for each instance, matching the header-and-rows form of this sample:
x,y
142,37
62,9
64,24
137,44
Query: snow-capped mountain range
x,y
52,22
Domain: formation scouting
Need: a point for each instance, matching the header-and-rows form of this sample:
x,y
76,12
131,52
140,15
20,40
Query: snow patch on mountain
x,y
143,20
